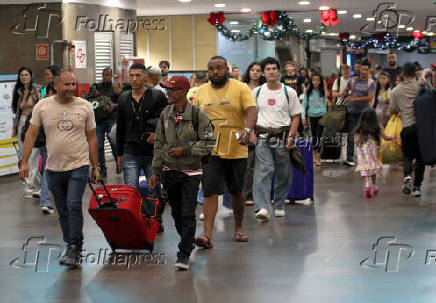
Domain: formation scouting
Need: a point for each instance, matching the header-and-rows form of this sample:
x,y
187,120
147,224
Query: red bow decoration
x,y
418,35
215,19
344,36
270,18
329,16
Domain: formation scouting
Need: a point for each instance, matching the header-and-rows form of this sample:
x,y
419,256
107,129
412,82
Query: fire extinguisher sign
x,y
80,54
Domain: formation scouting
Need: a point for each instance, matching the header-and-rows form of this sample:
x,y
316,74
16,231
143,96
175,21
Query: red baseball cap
x,y
177,82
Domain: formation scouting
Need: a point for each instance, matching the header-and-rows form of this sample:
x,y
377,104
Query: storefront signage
x,y
106,23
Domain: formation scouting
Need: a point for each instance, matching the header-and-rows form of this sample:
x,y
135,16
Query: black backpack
x,y
99,104
425,113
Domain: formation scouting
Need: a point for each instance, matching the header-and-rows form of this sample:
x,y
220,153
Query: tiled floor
x,y
312,255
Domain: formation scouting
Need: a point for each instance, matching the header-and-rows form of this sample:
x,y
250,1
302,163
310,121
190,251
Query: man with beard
x,y
231,107
393,70
164,68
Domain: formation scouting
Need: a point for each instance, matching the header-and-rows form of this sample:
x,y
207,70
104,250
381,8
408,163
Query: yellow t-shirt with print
x,y
226,108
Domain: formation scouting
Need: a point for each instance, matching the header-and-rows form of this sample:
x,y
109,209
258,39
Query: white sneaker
x,y
47,210
262,214
201,216
36,194
28,193
279,213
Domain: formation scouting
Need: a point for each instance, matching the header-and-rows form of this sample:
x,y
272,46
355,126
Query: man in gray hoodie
x,y
402,98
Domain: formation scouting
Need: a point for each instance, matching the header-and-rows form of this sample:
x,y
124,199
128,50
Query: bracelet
x,y
95,168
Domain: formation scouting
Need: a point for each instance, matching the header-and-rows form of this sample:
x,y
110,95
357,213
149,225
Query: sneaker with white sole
x,y
47,210
279,213
182,263
416,192
407,185
201,216
28,193
262,214
36,194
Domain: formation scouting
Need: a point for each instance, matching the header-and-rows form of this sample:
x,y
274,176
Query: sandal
x,y
203,242
240,237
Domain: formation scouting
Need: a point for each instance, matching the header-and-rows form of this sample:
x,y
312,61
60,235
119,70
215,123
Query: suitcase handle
x,y
112,202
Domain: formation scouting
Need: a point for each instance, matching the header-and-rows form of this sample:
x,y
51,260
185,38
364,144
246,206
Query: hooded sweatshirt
x,y
402,98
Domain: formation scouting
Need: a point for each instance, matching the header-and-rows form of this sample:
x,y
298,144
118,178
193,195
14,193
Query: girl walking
x,y
367,135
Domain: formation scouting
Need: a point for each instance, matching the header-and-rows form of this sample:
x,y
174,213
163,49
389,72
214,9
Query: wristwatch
x,y
248,130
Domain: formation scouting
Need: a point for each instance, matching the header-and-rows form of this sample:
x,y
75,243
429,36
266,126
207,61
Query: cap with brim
x,y
177,82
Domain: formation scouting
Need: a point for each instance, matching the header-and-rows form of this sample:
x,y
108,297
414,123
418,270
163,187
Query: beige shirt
x,y
402,98
65,127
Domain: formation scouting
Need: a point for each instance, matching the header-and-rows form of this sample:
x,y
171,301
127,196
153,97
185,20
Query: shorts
x,y
218,172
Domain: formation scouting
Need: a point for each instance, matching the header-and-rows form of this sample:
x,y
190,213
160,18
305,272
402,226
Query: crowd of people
x,y
217,133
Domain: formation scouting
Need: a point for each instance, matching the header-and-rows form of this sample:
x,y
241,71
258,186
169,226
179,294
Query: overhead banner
x,y
80,54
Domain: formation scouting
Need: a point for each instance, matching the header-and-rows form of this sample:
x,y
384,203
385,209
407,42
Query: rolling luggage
x,y
117,211
331,145
302,183
425,111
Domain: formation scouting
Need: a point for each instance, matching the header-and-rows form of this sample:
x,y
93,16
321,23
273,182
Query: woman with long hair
x,y
25,96
253,75
381,103
315,102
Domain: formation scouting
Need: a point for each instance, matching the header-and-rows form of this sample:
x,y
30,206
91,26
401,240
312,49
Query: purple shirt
x,y
360,88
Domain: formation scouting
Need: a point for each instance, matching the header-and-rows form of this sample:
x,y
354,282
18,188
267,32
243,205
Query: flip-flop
x,y
240,237
203,242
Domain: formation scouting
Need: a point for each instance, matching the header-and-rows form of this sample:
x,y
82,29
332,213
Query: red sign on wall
x,y
42,52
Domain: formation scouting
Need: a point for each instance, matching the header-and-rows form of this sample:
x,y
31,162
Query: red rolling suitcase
x,y
117,211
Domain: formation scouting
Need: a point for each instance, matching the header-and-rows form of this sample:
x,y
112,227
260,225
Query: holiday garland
x,y
275,28
380,41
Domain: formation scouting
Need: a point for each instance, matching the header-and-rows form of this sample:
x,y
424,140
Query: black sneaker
x,y
182,263
416,191
407,184
73,256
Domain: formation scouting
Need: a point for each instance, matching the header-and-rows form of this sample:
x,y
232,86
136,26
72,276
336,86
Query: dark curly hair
x,y
321,85
246,77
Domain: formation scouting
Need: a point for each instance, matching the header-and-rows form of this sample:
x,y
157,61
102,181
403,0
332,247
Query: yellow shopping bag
x,y
391,151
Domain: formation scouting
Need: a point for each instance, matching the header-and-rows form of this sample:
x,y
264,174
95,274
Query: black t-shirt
x,y
290,81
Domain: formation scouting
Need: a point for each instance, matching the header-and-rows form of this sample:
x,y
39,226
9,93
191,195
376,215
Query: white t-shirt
x,y
343,84
273,109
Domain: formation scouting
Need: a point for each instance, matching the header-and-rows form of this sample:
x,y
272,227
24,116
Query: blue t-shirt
x,y
360,88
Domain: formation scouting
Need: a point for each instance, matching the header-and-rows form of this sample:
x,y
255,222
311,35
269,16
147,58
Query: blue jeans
x,y
271,160
67,188
132,166
352,119
102,130
44,198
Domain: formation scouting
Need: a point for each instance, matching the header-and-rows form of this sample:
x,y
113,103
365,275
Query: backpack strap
x,y
258,93
285,88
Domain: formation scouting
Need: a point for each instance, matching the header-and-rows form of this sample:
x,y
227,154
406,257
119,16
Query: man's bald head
x,y
65,85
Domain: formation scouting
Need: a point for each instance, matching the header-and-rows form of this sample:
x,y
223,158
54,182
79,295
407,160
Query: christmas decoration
x,y
215,19
380,41
417,35
272,25
329,16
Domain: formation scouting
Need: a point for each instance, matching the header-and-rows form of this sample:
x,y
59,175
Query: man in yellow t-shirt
x,y
230,106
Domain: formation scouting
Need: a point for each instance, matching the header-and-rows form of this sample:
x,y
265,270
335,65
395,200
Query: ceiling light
x,y
342,12
425,33
324,8
379,21
304,2
234,22
401,26
430,34
370,19
246,10
220,5
309,31
353,37
184,1
236,31
307,20
333,34
409,29
357,16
